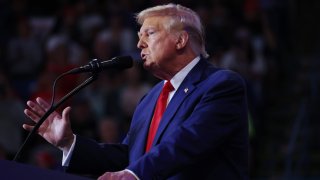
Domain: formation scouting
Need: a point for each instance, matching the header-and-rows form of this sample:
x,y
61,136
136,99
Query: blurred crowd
x,y
39,40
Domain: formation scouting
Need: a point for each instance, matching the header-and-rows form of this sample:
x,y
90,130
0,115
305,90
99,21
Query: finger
x,y
43,103
66,114
33,116
27,127
36,108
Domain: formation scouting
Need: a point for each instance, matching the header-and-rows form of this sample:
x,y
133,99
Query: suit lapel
x,y
186,88
146,116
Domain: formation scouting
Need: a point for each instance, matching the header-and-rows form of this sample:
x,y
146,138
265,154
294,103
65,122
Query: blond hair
x,y
180,16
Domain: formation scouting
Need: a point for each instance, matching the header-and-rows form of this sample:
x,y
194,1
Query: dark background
x,y
273,44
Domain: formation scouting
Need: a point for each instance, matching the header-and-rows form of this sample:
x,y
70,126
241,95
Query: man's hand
x,y
120,175
56,129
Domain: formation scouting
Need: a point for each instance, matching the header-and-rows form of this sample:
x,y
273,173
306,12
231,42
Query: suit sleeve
x,y
214,121
93,159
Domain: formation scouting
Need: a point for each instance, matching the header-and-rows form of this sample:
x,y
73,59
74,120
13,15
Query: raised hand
x,y
56,129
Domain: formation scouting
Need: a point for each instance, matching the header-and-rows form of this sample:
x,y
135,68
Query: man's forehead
x,y
153,22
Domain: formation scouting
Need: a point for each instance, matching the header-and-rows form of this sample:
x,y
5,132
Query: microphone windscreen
x,y
122,62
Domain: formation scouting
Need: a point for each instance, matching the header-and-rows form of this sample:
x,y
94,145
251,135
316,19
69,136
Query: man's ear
x,y
182,40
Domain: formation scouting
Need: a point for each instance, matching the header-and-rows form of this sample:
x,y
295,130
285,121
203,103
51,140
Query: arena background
x,y
273,44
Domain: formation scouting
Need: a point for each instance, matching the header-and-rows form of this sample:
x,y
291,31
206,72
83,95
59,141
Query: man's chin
x,y
146,66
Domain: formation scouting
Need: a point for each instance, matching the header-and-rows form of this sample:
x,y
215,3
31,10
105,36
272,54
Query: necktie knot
x,y
167,87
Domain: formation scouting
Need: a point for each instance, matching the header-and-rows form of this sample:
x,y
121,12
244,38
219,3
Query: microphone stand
x,y
53,108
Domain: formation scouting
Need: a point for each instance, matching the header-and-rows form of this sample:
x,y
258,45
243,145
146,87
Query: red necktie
x,y
160,108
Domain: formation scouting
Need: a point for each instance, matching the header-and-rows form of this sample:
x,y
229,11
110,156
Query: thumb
x,y
66,114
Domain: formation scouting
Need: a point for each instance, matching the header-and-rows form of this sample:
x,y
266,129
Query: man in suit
x,y
202,133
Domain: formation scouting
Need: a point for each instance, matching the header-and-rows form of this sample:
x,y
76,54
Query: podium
x,y
12,170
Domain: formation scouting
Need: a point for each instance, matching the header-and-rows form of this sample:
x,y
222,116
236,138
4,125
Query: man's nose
x,y
141,43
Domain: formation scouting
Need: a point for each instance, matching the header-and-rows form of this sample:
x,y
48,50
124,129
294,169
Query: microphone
x,y
95,66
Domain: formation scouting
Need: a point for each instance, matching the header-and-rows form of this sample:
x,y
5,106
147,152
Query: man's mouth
x,y
144,56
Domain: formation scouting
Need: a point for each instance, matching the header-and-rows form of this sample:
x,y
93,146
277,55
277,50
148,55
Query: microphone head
x,y
122,62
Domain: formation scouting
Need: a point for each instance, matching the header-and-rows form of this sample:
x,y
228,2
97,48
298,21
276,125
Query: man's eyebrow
x,y
144,31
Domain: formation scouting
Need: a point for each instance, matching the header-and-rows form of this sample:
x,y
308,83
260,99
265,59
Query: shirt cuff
x,y
67,154
131,172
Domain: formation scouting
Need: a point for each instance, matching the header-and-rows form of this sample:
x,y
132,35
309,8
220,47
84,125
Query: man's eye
x,y
150,33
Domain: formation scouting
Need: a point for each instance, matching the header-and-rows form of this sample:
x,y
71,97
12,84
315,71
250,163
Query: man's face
x,y
157,46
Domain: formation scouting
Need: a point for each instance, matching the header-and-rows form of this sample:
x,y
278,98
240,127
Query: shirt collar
x,y
179,77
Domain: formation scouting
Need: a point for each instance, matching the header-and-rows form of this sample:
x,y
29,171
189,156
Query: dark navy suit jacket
x,y
203,133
